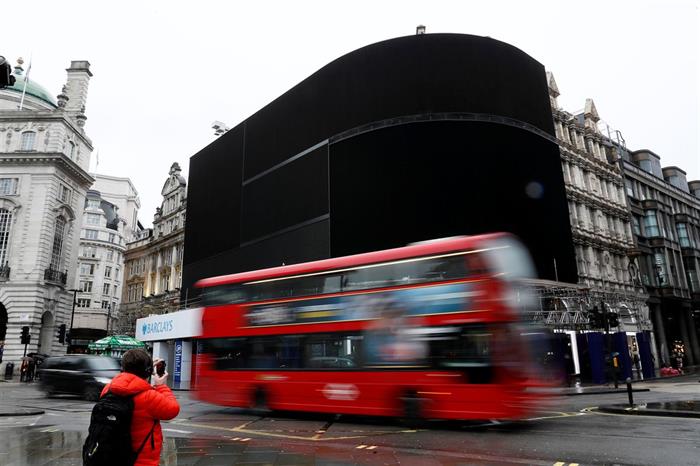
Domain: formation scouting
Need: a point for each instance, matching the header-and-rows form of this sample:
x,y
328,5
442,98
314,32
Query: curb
x,y
625,409
21,412
605,391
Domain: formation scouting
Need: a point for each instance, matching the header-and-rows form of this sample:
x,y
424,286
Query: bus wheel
x,y
412,409
259,402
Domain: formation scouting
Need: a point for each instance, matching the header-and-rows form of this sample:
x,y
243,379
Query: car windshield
x,y
104,364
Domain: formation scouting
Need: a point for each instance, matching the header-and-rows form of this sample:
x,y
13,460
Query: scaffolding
x,y
564,306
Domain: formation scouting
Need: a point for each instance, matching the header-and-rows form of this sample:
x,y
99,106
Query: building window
x,y
5,224
683,237
111,237
105,304
651,225
165,283
93,219
57,248
93,204
71,149
108,272
90,234
65,194
83,302
8,186
110,255
116,293
635,225
660,268
86,287
645,165
87,269
105,289
28,138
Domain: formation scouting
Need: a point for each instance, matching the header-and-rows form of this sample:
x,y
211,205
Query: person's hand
x,y
159,380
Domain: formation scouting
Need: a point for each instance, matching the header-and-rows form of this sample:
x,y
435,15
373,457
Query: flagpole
x,y
26,80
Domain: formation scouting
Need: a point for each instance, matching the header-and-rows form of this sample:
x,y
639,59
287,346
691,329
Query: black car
x,y
78,375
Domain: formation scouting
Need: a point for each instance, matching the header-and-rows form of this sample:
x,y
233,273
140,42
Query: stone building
x,y
109,220
600,227
153,259
665,210
44,160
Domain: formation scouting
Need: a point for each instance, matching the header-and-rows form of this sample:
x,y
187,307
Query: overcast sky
x,y
165,70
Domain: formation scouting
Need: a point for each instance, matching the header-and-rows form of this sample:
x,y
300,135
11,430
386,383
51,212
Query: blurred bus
x,y
430,330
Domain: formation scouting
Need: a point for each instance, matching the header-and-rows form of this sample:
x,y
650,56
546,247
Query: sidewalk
x,y
688,408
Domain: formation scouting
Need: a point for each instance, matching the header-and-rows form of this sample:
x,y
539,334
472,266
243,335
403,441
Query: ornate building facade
x,y
601,231
109,221
153,259
665,211
44,160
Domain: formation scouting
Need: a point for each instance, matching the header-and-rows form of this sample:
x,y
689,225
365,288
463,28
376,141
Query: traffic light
x,y
613,319
62,333
6,78
595,318
25,338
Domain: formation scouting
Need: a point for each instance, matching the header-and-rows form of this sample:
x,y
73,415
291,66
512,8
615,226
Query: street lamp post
x,y
109,316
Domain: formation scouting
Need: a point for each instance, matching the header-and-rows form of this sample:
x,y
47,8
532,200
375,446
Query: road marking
x,y
314,438
558,415
178,431
559,463
360,447
371,447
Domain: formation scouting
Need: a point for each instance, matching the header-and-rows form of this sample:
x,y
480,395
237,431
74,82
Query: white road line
x,y
178,431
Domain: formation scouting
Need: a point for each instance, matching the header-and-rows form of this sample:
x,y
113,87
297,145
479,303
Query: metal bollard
x,y
629,391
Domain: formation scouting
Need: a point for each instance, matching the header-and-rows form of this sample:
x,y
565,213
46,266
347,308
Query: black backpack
x,y
109,436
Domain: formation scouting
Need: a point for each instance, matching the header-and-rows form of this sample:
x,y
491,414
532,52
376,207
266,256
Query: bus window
x,y
228,353
223,294
333,351
467,348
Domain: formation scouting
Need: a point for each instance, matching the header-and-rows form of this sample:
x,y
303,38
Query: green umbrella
x,y
116,342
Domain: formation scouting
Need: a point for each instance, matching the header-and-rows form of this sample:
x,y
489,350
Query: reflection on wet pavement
x,y
689,405
47,445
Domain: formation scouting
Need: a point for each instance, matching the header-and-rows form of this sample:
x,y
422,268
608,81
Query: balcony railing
x,y
4,272
55,276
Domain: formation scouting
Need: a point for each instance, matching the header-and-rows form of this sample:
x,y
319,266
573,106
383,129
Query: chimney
x,y
77,85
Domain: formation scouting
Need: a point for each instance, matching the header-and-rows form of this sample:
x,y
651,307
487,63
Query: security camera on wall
x,y
219,128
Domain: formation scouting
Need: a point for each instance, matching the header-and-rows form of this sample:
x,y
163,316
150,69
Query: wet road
x,y
569,432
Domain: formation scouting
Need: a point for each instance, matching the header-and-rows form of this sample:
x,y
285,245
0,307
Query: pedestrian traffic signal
x,y
62,333
6,78
25,338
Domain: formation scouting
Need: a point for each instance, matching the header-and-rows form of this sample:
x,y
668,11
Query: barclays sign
x,y
181,324
157,327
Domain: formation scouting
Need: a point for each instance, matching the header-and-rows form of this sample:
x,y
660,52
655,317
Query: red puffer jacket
x,y
149,404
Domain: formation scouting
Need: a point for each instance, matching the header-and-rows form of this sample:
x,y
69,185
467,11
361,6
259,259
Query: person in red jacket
x,y
151,403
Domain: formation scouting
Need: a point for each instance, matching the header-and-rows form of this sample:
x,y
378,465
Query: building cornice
x,y
659,183
12,116
48,158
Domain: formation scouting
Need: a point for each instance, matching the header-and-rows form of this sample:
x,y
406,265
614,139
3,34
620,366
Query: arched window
x,y
57,249
5,223
71,149
28,138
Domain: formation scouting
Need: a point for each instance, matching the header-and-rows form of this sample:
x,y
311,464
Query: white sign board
x,y
181,324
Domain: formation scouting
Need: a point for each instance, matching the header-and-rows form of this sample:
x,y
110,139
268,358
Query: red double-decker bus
x,y
428,330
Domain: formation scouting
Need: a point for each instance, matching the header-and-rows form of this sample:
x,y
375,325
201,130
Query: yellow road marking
x,y
316,437
559,463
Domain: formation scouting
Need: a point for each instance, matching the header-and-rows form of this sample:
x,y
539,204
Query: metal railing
x,y
4,272
55,276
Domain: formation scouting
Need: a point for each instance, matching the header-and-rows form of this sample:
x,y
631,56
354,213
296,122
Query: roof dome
x,y
33,88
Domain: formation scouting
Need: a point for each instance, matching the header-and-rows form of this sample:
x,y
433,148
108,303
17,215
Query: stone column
x,y
690,360
692,332
660,333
